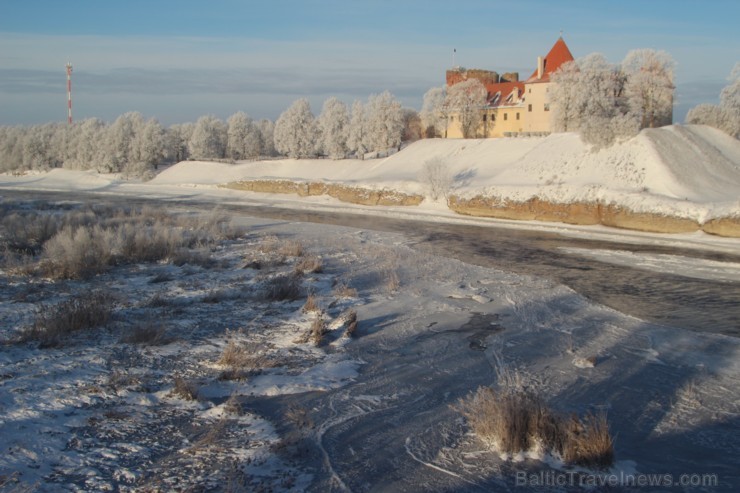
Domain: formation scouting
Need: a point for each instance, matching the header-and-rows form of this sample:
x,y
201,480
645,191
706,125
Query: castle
x,y
514,107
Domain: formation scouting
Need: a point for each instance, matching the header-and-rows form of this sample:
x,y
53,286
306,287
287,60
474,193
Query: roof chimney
x,y
540,67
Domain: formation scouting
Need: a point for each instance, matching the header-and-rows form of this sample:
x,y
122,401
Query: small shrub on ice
x,y
588,442
513,419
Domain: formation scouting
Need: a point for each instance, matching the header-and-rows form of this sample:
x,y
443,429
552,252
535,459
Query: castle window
x,y
547,106
506,116
493,117
530,107
484,117
517,116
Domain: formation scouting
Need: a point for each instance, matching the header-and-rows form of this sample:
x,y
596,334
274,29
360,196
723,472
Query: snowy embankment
x,y
670,180
673,179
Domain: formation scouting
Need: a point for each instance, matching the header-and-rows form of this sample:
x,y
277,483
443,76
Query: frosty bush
x,y
76,253
283,287
87,243
53,324
715,116
138,170
437,176
726,116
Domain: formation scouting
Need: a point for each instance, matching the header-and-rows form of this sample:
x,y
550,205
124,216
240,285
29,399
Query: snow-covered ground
x,y
374,412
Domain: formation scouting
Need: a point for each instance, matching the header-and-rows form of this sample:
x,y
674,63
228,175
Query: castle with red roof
x,y
513,107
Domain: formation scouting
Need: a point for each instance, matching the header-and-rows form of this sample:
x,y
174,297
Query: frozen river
x,y
658,292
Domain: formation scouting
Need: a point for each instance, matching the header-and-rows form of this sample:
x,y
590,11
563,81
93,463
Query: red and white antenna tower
x,y
69,93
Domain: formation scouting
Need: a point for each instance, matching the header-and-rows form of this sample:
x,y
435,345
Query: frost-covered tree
x,y
38,152
411,125
11,148
566,98
649,86
177,138
357,133
149,144
726,116
384,122
333,126
84,146
434,113
465,101
267,137
730,95
208,140
588,96
295,131
119,148
244,139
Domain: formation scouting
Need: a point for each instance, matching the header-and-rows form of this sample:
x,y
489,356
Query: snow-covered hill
x,y
691,172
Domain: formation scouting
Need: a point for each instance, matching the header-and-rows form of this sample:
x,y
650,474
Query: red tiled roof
x,y
506,88
558,55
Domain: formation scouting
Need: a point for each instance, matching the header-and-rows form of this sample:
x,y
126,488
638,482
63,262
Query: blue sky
x,y
177,60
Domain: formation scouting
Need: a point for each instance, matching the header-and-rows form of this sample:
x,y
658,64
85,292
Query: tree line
x,y
135,146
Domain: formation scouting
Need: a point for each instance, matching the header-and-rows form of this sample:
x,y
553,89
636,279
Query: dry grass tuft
x,y
392,282
283,287
507,421
351,322
589,443
318,330
235,355
290,248
286,248
342,290
242,356
149,334
53,325
299,417
185,389
310,264
312,304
